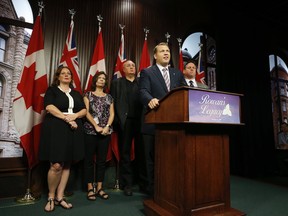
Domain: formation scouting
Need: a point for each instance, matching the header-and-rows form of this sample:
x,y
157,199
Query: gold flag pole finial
x,y
72,12
99,18
179,41
41,6
121,27
146,31
167,35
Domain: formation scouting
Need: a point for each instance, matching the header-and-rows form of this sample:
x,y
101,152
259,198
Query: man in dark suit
x,y
128,109
154,84
189,72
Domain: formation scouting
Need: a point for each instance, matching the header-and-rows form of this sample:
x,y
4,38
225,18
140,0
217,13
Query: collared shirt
x,y
161,69
194,82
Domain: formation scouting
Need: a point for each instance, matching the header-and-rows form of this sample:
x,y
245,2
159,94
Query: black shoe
x,y
128,191
150,190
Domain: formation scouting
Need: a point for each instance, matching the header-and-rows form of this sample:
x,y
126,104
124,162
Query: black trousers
x,y
126,136
95,145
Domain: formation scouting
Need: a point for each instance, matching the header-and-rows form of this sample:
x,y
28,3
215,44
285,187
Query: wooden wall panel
x,y
134,14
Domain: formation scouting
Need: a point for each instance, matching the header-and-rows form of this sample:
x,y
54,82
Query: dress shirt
x,y
194,82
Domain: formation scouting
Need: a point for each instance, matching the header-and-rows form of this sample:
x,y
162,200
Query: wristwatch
x,y
108,125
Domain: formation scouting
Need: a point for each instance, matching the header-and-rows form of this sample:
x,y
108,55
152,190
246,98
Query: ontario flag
x,y
145,58
98,60
69,57
118,73
121,58
181,63
200,75
28,103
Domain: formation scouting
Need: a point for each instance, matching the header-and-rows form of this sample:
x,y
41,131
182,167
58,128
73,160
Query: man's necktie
x,y
166,78
191,83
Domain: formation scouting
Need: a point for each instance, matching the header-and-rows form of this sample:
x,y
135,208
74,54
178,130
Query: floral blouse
x,y
99,108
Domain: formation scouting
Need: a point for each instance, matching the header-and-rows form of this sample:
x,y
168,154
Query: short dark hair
x,y
95,79
190,61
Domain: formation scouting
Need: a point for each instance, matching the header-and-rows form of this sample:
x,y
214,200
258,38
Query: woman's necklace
x,y
99,94
65,90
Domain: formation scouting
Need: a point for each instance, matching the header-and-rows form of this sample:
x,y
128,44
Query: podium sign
x,y
212,107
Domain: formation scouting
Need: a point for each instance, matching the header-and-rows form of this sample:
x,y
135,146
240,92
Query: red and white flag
x,y
69,57
145,57
118,73
98,60
181,63
28,103
121,58
200,75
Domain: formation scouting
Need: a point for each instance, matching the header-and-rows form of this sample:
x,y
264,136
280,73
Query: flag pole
x,y
28,197
117,183
180,64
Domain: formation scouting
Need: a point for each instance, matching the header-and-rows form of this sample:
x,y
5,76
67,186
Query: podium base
x,y
153,209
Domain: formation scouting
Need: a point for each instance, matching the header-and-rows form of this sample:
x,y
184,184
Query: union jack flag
x,y
200,75
69,57
121,58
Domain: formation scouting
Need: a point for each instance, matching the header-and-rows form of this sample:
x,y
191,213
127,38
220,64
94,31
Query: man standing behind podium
x,y
189,72
154,84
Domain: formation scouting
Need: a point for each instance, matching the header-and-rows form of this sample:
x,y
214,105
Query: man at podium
x,y
155,82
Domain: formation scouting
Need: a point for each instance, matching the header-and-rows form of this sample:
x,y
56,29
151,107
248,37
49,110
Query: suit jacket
x,y
199,85
118,91
152,85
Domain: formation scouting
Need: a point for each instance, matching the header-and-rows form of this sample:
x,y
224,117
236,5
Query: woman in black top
x,y
62,135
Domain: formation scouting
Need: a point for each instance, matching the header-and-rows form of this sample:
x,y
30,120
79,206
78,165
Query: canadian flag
x,y
98,60
69,57
28,106
145,57
118,72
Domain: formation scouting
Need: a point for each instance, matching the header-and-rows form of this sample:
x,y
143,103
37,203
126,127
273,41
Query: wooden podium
x,y
192,174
